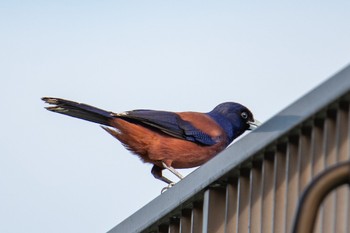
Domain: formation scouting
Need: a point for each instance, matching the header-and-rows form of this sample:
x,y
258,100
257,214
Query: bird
x,y
168,140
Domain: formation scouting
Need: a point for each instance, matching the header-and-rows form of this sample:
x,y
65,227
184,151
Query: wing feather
x,y
169,123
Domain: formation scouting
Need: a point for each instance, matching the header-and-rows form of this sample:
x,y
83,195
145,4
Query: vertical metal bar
x,y
243,202
328,221
185,221
292,174
318,154
330,138
280,187
305,158
342,144
267,193
174,226
197,217
214,211
255,202
343,147
318,161
231,206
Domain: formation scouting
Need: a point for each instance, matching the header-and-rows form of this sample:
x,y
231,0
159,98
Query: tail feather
x,y
79,110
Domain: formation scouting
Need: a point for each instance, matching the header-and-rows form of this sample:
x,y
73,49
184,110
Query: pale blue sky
x,y
59,174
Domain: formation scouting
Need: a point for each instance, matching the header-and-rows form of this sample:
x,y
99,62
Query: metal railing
x,y
255,185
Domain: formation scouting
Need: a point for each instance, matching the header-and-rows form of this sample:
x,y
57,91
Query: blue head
x,y
234,118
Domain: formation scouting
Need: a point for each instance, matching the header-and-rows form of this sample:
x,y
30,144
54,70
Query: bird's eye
x,y
244,115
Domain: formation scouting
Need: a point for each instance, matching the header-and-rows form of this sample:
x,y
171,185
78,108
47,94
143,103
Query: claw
x,y
167,187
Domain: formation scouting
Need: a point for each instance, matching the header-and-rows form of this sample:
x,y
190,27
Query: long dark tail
x,y
78,110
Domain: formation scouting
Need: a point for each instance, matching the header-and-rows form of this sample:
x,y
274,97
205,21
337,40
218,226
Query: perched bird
x,y
168,140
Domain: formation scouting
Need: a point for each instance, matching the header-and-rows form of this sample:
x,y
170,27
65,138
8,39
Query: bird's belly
x,y
183,154
154,147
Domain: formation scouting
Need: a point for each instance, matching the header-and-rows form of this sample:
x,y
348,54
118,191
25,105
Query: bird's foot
x,y
167,187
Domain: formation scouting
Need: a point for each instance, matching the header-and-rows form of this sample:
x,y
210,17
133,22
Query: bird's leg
x,y
157,173
173,170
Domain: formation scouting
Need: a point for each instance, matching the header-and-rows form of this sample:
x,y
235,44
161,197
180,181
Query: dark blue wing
x,y
169,123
